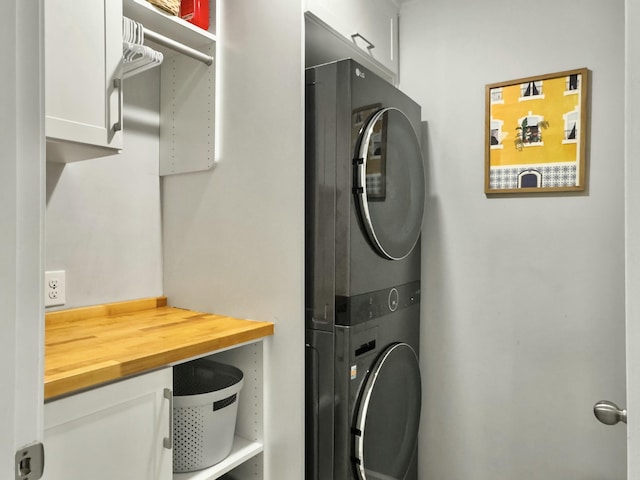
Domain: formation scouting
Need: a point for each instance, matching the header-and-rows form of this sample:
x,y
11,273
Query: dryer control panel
x,y
367,306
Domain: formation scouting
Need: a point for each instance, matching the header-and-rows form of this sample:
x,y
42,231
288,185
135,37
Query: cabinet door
x,y
369,25
377,21
112,432
338,14
83,52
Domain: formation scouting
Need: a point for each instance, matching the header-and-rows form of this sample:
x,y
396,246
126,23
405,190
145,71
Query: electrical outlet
x,y
54,288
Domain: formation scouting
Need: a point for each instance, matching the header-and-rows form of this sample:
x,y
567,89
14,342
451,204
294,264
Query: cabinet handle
x,y
168,441
370,45
117,83
609,413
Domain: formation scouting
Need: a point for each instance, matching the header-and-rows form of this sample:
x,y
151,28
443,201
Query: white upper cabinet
x,y
368,27
83,52
84,85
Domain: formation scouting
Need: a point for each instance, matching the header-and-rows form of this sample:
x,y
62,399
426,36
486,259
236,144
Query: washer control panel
x,y
361,308
394,298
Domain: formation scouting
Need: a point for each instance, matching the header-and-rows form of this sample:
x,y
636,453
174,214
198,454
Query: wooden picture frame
x,y
536,133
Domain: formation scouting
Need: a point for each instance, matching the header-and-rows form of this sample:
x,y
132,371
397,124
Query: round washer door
x,y
388,414
389,183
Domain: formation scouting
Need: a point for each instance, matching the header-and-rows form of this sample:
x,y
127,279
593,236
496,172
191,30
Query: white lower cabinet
x,y
111,432
119,431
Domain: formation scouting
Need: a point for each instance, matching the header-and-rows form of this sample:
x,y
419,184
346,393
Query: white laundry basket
x,y
205,406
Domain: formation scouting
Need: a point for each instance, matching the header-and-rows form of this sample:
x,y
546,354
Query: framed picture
x,y
536,132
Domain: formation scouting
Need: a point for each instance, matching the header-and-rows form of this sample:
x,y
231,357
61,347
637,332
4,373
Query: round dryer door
x,y
389,183
386,426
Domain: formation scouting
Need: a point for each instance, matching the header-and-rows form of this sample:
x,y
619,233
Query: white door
x,y
21,230
632,220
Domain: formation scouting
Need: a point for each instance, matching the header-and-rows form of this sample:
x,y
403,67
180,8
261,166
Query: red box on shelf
x,y
196,12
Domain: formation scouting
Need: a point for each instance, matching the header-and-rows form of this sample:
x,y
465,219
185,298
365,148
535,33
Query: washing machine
x,y
364,206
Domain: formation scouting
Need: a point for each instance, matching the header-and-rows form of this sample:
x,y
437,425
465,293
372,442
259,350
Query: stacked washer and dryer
x,y
365,197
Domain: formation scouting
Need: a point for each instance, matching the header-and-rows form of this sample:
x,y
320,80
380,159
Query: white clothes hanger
x,y
136,57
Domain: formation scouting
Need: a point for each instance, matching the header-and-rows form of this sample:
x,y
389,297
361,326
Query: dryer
x,y
364,207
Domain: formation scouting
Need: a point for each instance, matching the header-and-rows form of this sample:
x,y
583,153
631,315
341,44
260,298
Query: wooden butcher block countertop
x,y
85,347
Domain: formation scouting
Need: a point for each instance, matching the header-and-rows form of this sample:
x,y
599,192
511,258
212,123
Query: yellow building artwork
x,y
535,133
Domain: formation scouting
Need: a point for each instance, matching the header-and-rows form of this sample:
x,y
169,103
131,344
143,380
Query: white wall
x,y
103,215
21,235
632,204
523,323
234,236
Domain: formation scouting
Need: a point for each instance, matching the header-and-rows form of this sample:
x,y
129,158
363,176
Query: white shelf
x,y
169,25
187,89
241,451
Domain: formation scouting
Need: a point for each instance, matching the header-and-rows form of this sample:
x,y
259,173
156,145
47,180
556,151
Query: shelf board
x,y
169,25
86,347
241,451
